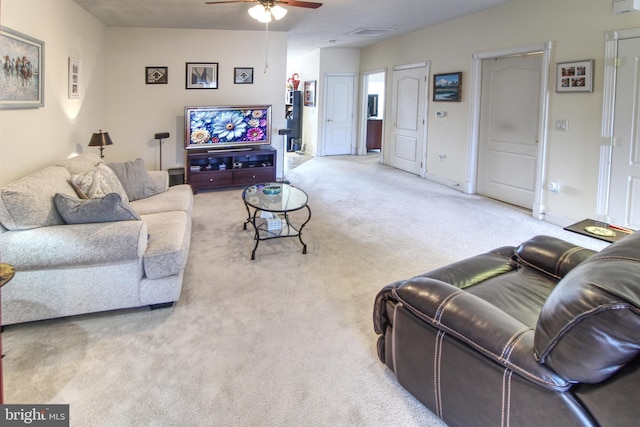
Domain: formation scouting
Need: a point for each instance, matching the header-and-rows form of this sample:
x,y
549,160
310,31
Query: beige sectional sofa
x,y
111,251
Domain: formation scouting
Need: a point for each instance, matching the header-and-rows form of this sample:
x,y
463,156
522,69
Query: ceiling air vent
x,y
370,32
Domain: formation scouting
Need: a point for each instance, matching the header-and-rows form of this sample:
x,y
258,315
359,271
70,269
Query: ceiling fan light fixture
x,y
260,13
278,12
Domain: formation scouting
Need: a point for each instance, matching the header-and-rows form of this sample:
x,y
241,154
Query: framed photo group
x,y
576,76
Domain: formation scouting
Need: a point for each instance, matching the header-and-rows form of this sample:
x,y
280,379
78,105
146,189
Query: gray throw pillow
x,y
101,209
134,178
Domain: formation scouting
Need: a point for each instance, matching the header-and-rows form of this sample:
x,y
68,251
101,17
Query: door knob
x,y
329,120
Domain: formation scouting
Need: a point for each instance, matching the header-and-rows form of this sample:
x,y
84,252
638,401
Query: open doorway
x,y
373,113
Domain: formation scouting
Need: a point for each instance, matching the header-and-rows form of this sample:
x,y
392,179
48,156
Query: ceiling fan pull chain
x,y
266,54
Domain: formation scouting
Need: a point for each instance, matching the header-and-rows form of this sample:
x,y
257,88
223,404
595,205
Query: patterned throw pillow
x,y
102,209
98,183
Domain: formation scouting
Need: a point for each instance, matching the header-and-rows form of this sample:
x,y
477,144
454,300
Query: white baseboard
x,y
464,187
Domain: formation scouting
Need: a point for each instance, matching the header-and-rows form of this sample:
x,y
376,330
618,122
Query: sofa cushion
x,y
103,209
589,327
81,163
28,202
134,178
176,198
98,182
168,245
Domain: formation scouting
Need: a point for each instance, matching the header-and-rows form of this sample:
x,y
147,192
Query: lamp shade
x,y
100,139
278,12
260,13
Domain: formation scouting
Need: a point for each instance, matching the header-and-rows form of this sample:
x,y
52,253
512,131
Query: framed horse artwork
x,y
22,78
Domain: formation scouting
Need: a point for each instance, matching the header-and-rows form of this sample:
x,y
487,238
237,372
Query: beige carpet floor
x,y
285,340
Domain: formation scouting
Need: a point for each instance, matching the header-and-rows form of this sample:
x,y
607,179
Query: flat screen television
x,y
221,127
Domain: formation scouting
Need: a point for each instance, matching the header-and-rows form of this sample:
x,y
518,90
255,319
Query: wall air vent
x,y
624,6
370,32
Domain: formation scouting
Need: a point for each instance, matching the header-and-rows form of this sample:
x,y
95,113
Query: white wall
x,y
136,111
114,94
33,138
576,28
315,66
308,67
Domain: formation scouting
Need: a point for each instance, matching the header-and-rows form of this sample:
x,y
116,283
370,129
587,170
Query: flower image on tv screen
x,y
212,127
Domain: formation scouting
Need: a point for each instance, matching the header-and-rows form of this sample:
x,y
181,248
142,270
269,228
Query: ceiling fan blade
x,y
295,3
229,1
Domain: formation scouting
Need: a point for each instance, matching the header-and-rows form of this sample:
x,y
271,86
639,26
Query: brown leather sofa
x,y
543,334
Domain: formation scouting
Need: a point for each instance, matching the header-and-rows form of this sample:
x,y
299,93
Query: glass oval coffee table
x,y
274,201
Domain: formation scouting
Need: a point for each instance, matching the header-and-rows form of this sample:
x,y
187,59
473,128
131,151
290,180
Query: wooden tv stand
x,y
212,169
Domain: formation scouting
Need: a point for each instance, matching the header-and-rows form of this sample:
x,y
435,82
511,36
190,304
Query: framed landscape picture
x,y
575,76
447,87
22,59
202,75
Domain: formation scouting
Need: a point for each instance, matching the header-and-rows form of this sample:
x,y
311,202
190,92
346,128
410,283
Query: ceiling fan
x,y
272,3
265,9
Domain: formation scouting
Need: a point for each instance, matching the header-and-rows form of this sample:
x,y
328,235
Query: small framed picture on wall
x,y
310,93
202,75
74,78
576,76
447,87
243,75
156,75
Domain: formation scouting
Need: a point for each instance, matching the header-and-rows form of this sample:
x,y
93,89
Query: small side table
x,y
6,274
288,200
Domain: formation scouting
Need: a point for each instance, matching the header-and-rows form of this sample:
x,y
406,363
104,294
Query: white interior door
x,y
407,134
508,136
338,125
624,191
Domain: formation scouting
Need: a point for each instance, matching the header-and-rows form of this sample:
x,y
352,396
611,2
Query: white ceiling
x,y
308,29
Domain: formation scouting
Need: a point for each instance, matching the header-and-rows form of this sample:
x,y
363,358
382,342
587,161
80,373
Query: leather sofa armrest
x,y
552,256
474,322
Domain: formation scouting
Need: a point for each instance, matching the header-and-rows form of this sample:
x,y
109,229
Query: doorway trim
x,y
474,119
361,149
611,39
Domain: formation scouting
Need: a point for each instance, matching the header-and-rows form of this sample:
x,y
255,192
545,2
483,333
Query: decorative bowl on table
x,y
271,190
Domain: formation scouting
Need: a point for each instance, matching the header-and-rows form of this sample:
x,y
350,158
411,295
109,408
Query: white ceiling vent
x,y
370,32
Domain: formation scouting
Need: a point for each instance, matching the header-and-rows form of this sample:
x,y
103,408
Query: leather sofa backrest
x,y
589,327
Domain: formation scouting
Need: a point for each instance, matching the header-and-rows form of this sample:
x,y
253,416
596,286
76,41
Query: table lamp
x,y
100,139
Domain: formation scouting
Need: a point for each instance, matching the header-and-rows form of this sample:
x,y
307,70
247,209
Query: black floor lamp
x,y
160,136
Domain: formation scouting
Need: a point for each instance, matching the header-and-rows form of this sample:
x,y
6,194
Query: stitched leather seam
x,y
393,347
579,318
513,341
535,267
611,257
486,351
564,258
506,398
437,371
443,305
